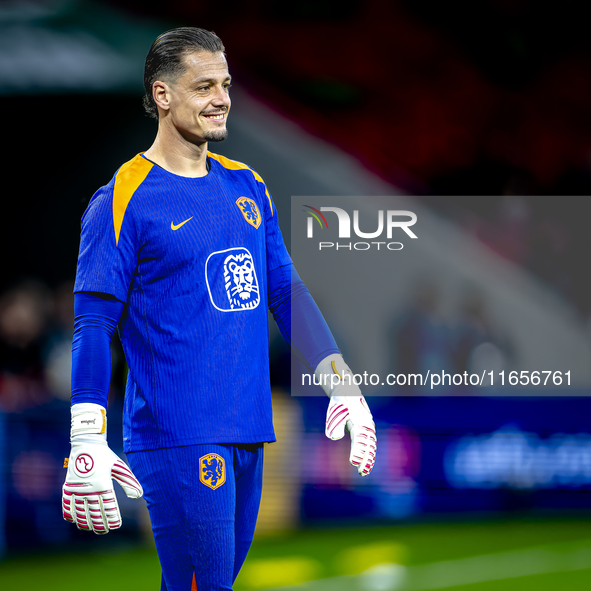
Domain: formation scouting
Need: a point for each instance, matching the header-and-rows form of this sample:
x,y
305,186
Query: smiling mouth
x,y
216,116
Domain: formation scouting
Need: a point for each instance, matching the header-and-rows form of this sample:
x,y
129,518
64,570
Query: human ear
x,y
161,94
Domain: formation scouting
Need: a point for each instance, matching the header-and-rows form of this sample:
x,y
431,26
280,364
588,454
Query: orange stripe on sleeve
x,y
130,176
234,165
194,584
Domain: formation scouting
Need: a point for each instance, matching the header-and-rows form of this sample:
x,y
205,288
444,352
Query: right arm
x,y
106,264
95,319
88,498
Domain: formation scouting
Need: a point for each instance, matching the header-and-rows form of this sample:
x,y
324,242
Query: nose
x,y
221,98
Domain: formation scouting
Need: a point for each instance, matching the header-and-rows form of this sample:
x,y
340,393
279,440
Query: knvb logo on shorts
x,y
388,222
232,280
212,470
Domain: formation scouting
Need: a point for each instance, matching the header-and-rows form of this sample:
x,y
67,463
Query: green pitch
x,y
508,555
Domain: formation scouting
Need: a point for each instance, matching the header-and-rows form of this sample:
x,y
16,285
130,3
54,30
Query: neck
x,y
178,156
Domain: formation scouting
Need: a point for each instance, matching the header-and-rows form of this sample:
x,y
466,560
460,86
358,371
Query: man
x,y
182,251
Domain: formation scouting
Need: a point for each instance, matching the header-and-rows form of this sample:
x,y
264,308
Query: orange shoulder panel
x,y
129,177
234,165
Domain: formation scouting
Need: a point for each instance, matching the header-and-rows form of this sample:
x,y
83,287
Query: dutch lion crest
x,y
212,471
250,211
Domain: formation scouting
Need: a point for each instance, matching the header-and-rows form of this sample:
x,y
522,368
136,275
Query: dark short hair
x,y
165,58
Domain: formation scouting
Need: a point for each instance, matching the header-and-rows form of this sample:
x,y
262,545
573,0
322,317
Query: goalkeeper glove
x,y
348,410
88,498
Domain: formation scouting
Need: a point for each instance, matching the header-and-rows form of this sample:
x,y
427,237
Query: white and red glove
x,y
88,498
348,410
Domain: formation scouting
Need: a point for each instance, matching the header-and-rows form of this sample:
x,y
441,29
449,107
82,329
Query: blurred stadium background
x,y
478,116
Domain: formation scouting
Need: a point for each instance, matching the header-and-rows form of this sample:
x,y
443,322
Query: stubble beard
x,y
216,135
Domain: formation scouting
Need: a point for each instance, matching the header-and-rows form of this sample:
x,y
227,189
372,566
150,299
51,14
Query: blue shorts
x,y
203,502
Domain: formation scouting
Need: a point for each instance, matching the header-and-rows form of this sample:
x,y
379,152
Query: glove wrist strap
x,y
335,377
88,418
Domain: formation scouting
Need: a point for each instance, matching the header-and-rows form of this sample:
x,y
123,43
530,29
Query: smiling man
x,y
182,252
